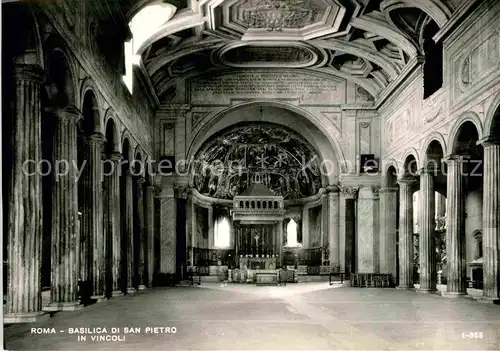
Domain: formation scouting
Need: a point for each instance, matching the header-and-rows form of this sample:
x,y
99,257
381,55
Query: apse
x,y
227,164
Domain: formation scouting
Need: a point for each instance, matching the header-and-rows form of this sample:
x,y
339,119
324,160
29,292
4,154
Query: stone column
x,y
388,235
210,227
24,299
366,241
129,229
65,239
305,227
349,194
280,240
324,226
114,224
491,220
167,229
406,234
455,233
140,228
95,216
333,227
342,231
427,256
149,208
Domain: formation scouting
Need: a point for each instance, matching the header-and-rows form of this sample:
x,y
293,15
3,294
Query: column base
x,y
98,298
486,299
427,291
63,306
454,294
405,287
142,287
28,317
117,293
131,290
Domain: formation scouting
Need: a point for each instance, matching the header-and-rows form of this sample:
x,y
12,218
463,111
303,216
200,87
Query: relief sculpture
x,y
275,15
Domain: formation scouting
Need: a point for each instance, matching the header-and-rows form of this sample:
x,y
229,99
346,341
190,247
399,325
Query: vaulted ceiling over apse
x,y
274,155
369,42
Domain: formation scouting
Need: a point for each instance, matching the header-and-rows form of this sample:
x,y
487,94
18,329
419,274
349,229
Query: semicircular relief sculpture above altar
x,y
285,162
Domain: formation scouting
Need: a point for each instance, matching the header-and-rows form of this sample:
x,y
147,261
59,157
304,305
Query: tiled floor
x,y
306,316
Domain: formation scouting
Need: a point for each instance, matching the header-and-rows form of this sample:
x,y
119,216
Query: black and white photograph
x,y
250,175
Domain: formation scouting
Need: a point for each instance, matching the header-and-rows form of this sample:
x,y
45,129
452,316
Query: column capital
x,y
456,158
158,191
97,139
332,189
350,192
407,181
491,140
182,192
376,191
141,181
32,73
115,156
69,114
427,170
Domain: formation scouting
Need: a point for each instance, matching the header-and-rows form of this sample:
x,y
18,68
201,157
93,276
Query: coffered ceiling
x,y
367,41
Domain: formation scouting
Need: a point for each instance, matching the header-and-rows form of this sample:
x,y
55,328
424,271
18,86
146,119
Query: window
x,y
433,66
291,234
144,24
222,232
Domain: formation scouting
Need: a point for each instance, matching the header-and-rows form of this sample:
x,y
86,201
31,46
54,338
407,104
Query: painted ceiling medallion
x,y
274,15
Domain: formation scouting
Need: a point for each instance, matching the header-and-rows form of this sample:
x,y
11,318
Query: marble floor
x,y
305,316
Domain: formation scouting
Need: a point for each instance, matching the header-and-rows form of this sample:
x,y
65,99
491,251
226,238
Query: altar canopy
x,y
258,220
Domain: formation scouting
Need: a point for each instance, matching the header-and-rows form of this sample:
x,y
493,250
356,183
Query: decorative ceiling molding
x,y
437,10
275,19
269,54
184,20
349,39
362,51
378,24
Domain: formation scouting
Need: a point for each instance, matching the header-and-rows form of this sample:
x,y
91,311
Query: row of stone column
x,y
455,213
73,257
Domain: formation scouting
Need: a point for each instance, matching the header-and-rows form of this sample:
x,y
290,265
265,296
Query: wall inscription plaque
x,y
310,89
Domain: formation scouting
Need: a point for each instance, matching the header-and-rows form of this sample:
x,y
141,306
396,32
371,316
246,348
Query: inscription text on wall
x,y
309,89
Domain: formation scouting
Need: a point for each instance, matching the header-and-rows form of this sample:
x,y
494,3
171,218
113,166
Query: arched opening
x,y
86,188
391,249
408,243
57,93
292,234
222,232
110,170
469,208
60,85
